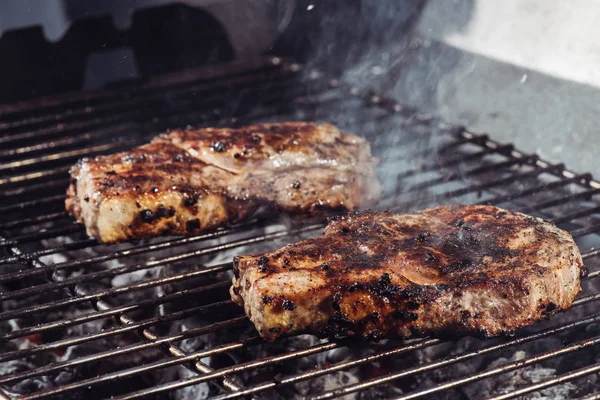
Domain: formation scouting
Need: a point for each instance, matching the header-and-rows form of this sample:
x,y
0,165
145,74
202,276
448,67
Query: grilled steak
x,y
449,269
188,181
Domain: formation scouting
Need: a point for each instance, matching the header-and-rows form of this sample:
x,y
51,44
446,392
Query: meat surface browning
x,y
449,269
188,181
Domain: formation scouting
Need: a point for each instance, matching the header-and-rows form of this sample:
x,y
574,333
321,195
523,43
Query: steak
x,y
446,270
189,181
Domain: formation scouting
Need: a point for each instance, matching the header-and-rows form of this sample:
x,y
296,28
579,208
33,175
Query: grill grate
x,y
154,318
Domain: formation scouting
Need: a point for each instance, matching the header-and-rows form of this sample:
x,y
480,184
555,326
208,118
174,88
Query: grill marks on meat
x,y
188,181
449,269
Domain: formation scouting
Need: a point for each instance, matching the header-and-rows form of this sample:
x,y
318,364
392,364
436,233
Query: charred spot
x,y
218,146
262,263
550,308
190,201
288,305
236,267
336,301
413,305
459,294
154,190
375,316
274,330
237,155
464,263
384,279
422,237
325,266
296,185
192,225
147,215
293,269
137,188
286,261
161,211
110,173
465,315
267,299
86,198
256,138
429,258
345,230
355,286
404,315
171,211
263,260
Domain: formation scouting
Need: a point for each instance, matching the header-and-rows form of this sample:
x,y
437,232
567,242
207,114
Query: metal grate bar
x,y
190,333
27,204
114,113
455,161
50,250
107,292
453,176
128,324
131,105
128,252
500,182
54,367
150,264
35,220
105,310
113,311
66,155
579,214
585,230
461,357
55,144
116,330
33,176
537,189
507,368
52,103
556,202
344,365
569,376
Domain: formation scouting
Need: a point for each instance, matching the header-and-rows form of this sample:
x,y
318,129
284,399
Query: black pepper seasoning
x,y
190,201
218,146
161,211
288,305
147,215
262,263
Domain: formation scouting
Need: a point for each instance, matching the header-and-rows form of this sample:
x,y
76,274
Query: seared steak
x,y
449,269
188,181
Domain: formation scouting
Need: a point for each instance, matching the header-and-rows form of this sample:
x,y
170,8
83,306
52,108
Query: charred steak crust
x,y
450,269
188,181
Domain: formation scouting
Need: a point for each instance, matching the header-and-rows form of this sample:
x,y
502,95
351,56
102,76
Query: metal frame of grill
x,y
42,138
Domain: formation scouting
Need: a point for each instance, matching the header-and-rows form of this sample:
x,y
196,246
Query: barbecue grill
x,y
154,318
